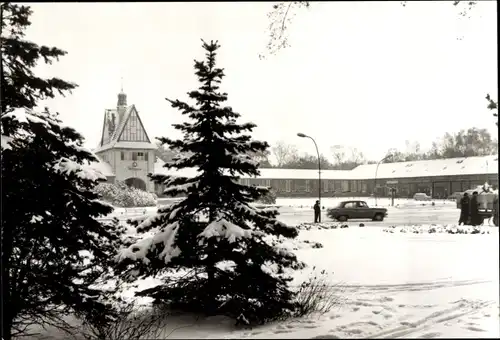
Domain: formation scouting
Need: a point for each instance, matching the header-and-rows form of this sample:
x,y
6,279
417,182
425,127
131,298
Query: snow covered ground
x,y
389,285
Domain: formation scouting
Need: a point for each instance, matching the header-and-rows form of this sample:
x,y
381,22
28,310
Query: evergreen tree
x,y
54,250
227,249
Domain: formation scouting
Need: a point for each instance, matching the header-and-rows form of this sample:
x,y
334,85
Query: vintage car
x,y
356,210
487,200
420,196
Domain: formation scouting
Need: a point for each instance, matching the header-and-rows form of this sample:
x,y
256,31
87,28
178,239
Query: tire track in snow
x,y
462,308
412,287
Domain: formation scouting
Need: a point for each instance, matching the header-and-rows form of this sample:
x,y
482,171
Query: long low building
x,y
438,178
127,154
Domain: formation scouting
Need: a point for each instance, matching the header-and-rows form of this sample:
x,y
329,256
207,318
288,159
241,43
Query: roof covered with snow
x,y
103,167
160,169
126,145
442,167
439,167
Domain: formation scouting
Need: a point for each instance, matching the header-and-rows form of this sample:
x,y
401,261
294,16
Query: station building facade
x,y
127,154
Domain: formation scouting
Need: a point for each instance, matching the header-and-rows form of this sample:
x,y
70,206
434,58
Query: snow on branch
x,y
140,250
264,220
222,228
148,223
176,185
27,116
67,166
242,158
5,140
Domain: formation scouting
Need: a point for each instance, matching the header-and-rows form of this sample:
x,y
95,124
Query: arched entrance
x,y
136,183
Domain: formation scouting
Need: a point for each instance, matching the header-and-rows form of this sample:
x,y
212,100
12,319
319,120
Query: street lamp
x,y
319,169
376,171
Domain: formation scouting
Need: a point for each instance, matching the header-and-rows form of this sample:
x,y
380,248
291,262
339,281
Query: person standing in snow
x,y
474,209
495,210
317,212
464,209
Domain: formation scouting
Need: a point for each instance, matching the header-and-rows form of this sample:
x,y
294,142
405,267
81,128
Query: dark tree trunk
x,y
6,308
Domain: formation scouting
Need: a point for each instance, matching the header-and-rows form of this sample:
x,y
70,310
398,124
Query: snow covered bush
x,y
231,265
437,229
121,195
322,225
318,295
268,198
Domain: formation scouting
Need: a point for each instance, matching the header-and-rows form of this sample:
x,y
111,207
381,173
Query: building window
x,y
146,156
325,186
134,156
288,185
353,186
122,155
308,186
141,156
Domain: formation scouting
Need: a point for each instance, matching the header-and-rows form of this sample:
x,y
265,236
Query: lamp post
x,y
319,168
376,171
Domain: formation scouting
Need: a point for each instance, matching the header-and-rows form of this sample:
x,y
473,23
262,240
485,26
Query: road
x,y
396,216
402,215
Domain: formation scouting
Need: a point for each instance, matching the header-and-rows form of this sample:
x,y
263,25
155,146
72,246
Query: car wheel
x,y
378,217
342,218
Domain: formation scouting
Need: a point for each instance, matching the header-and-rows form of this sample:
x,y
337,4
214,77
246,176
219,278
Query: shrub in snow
x,y
314,245
121,195
54,249
437,229
234,264
318,295
268,198
361,224
322,225
132,322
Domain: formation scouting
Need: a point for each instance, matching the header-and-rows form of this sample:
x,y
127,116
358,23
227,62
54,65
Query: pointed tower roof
x,y
111,133
122,97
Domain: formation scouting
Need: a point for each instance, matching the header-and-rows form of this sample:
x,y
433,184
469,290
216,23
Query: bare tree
x,y
357,156
282,13
279,19
339,153
284,153
262,157
493,106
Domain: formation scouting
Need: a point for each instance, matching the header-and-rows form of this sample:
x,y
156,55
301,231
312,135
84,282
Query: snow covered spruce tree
x,y
54,250
226,249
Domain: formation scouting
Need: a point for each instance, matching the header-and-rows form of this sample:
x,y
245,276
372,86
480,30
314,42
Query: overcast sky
x,y
364,74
